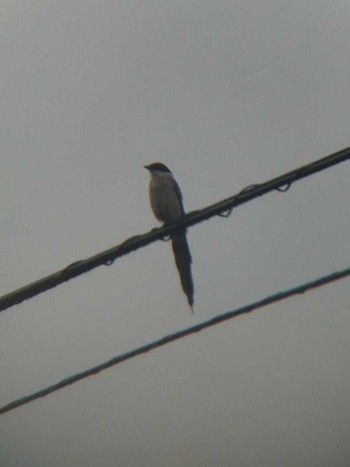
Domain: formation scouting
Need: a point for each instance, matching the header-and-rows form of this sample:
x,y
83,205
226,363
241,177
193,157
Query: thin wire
x,y
175,336
223,208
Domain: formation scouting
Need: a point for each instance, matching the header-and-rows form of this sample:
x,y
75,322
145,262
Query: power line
x,y
223,208
175,336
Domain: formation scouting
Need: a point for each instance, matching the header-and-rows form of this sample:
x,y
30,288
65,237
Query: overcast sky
x,y
227,94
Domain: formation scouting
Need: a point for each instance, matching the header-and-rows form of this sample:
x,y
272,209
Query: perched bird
x,y
166,203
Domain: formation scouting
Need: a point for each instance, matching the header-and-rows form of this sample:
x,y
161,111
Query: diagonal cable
x,y
177,335
223,208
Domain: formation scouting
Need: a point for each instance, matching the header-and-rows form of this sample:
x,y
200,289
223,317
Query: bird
x,y
167,206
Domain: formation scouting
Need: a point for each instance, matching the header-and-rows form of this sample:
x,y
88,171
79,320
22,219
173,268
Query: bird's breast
x,y
164,201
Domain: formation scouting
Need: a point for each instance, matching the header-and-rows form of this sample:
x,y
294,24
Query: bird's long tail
x,y
183,262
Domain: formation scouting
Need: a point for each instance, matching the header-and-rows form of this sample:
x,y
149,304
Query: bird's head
x,y
155,167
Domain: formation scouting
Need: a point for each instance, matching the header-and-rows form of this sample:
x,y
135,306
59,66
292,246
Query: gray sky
x,y
227,94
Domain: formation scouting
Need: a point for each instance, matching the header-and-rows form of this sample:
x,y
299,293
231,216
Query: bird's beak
x,y
146,167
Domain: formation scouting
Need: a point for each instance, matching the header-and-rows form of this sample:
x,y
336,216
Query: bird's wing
x,y
178,194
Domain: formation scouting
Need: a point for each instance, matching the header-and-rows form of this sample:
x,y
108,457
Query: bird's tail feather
x,y
183,262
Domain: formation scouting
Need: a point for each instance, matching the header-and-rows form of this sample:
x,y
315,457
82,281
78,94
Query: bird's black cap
x,y
157,166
